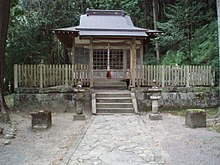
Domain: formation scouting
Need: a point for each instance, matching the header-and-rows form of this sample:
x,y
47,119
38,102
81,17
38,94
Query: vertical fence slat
x,y
210,75
15,76
182,76
163,76
170,73
41,76
204,75
53,75
188,76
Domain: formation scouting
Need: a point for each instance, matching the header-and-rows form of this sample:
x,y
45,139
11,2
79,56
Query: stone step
x,y
110,85
114,110
109,82
110,95
113,100
113,92
107,102
114,105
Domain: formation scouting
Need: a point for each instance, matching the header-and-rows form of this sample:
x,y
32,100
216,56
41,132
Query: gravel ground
x,y
41,147
180,145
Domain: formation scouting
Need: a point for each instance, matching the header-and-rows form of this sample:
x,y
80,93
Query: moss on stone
x,y
196,110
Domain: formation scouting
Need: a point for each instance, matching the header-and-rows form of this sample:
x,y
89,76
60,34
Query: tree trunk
x,y
218,13
66,55
155,19
4,19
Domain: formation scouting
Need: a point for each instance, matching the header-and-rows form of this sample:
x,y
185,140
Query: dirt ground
x,y
183,145
39,147
48,147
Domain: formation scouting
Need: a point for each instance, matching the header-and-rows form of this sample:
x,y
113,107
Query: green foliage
x,y
150,58
174,57
204,44
29,35
205,47
184,19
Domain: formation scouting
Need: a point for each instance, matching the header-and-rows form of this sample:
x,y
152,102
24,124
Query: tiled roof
x,y
109,22
87,33
103,24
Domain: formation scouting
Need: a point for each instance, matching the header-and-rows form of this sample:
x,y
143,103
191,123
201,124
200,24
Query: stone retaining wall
x,y
63,100
180,98
54,100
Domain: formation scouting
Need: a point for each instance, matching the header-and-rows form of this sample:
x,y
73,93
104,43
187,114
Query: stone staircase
x,y
107,102
110,84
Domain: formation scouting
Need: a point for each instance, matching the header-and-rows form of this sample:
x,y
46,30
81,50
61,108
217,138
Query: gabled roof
x,y
103,24
108,23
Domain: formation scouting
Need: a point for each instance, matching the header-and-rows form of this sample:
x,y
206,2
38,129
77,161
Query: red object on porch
x,y
109,74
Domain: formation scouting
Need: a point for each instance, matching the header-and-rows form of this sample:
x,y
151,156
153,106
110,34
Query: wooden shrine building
x,y
109,43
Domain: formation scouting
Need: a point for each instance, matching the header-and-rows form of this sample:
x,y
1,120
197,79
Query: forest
x,y
189,26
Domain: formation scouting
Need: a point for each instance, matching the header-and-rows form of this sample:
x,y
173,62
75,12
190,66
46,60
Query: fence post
x,y
213,77
15,76
163,76
66,75
187,76
41,75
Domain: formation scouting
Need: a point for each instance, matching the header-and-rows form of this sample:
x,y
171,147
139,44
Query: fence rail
x,y
50,75
54,75
166,75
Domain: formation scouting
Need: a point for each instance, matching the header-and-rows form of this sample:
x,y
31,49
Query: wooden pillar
x,y
125,63
141,63
133,63
73,52
91,62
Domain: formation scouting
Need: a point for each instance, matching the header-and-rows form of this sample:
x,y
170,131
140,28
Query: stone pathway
x,y
117,139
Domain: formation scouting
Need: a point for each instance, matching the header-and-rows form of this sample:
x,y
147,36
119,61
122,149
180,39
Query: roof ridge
x,y
111,29
105,12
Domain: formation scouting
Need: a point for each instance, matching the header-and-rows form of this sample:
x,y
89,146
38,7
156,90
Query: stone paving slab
x,y
119,139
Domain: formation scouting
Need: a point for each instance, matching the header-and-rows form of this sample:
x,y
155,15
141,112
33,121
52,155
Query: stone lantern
x,y
80,101
155,96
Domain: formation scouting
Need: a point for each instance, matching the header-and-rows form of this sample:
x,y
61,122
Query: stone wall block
x,y
195,118
41,119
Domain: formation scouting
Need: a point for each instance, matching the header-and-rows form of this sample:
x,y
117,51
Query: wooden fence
x,y
55,75
176,75
50,75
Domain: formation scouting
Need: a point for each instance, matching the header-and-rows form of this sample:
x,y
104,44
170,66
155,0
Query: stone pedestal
x,y
41,119
80,101
155,115
195,118
79,117
79,106
154,106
